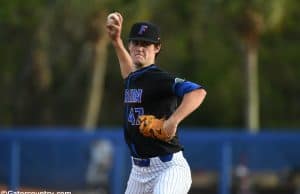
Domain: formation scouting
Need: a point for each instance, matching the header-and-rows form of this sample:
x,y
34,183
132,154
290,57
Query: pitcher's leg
x,y
134,186
175,180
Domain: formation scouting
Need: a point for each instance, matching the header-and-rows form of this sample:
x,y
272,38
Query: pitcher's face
x,y
143,53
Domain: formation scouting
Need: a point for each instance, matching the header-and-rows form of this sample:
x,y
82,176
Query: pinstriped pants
x,y
173,177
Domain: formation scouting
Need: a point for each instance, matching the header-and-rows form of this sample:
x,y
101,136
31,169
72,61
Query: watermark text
x,y
34,192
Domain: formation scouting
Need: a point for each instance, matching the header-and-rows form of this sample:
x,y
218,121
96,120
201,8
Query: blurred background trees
x,y
59,69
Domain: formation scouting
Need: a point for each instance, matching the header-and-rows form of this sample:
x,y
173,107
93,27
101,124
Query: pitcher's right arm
x,y
114,30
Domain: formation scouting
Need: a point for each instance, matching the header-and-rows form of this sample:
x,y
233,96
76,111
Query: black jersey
x,y
151,91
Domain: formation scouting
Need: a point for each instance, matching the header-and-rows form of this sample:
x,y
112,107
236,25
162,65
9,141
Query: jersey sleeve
x,y
181,87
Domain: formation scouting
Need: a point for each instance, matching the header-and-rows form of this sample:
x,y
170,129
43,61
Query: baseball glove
x,y
152,127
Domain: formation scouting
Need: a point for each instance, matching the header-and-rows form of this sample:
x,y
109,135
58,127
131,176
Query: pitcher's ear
x,y
157,46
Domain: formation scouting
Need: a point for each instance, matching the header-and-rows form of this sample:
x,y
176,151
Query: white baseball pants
x,y
172,177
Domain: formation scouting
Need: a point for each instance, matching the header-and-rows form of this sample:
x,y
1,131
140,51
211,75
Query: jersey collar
x,y
146,68
142,70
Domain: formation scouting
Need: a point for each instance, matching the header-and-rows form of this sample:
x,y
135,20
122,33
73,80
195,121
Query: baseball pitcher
x,y
155,102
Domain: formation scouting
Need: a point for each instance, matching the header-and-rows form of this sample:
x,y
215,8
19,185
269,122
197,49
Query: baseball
x,y
112,18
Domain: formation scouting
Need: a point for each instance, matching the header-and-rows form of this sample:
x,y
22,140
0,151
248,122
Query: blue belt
x,y
144,162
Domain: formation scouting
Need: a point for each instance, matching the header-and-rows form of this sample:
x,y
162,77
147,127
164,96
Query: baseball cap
x,y
144,31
